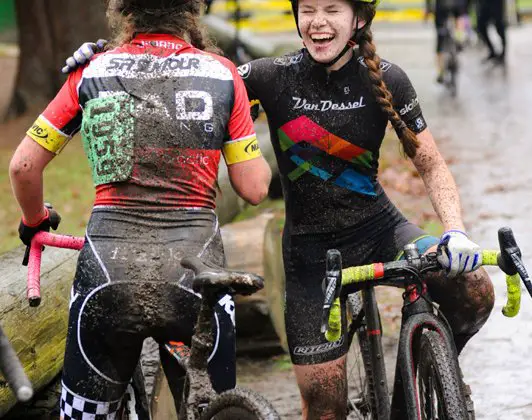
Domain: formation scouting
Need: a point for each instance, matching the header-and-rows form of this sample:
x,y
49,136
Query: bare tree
x,y
49,31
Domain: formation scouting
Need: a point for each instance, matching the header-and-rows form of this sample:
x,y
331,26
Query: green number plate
x,y
108,138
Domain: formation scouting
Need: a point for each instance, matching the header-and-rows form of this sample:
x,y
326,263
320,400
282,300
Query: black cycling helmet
x,y
354,38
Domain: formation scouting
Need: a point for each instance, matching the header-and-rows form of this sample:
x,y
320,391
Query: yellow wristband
x,y
241,150
47,135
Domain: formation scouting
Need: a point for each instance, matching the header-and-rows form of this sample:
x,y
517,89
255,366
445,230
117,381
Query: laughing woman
x,y
328,106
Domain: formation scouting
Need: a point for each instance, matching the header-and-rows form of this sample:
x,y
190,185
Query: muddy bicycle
x,y
12,370
200,401
450,56
428,383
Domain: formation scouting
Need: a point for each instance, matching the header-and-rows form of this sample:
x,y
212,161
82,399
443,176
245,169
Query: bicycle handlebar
x,y
13,371
34,262
508,259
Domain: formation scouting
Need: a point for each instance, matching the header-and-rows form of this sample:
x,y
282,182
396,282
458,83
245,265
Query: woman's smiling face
x,y
326,26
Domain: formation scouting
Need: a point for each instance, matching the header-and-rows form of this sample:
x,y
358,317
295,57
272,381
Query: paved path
x,y
486,136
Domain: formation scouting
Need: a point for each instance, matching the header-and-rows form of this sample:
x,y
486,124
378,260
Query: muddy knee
x,y
466,300
478,298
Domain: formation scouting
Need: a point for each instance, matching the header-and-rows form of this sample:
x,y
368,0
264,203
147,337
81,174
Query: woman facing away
x,y
328,106
155,114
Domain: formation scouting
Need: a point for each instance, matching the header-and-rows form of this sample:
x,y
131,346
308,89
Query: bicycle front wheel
x,y
366,372
241,404
438,381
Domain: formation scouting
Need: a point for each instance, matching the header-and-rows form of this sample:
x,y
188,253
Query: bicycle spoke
x,y
358,406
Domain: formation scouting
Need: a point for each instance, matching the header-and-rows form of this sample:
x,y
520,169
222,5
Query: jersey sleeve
x,y
242,144
61,119
257,75
405,99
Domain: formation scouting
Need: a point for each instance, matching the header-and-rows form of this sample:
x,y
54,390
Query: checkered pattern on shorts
x,y
74,407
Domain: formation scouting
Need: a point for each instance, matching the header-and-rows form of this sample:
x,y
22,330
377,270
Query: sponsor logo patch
x,y
420,123
326,105
384,66
47,136
244,70
318,349
288,60
409,106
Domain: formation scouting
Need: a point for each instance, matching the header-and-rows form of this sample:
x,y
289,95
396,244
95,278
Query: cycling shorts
x,y
129,285
304,259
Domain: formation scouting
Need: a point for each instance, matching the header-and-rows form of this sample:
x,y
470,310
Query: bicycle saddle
x,y
210,276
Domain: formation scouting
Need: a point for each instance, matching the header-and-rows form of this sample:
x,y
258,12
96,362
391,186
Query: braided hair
x,y
382,94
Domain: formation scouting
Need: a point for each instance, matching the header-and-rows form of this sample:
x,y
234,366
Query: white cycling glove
x,y
83,54
459,255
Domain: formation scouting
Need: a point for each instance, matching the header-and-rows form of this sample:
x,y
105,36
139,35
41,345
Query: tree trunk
x,y
49,31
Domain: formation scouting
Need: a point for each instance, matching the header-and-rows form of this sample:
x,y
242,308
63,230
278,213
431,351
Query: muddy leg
x,y
323,390
466,301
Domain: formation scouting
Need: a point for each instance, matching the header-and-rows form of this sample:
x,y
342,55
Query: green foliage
x,y
283,362
7,14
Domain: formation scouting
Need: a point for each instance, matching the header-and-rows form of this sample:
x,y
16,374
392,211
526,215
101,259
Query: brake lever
x,y
332,283
510,260
521,270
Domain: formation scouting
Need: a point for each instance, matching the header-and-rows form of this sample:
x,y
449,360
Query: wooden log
x,y
274,277
243,243
37,334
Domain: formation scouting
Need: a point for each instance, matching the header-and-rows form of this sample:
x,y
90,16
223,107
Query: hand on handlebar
x,y
458,254
27,232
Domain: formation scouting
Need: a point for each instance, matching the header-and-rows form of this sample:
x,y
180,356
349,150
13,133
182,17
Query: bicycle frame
x,y
198,390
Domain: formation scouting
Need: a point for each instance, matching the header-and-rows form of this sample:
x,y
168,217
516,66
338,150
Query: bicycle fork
x,y
418,315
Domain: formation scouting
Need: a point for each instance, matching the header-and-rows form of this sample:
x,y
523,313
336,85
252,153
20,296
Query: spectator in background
x,y
492,11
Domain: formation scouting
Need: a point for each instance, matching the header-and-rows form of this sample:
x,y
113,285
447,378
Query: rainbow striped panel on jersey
x,y
316,151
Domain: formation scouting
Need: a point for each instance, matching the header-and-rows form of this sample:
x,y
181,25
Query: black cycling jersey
x,y
326,131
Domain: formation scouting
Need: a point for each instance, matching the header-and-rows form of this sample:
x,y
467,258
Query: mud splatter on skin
x,y
466,301
324,389
439,182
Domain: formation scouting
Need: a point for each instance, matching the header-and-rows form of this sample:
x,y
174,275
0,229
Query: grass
x,y
67,185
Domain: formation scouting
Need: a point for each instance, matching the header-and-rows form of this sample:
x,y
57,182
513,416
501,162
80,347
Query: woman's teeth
x,y
321,39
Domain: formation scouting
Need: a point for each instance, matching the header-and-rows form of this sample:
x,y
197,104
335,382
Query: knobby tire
x,y
439,384
241,404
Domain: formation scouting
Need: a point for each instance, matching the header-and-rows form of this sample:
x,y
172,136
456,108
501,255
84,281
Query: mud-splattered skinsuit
x,y
327,131
155,115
